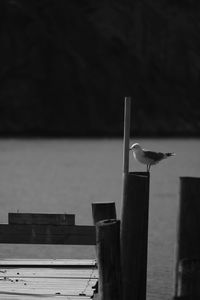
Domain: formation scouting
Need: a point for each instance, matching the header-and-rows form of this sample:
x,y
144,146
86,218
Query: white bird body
x,y
147,157
139,155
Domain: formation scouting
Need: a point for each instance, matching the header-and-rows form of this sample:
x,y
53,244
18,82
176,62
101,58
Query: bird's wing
x,y
156,156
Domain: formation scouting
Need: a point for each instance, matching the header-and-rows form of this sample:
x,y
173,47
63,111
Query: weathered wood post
x,y
103,211
187,285
108,255
134,235
134,223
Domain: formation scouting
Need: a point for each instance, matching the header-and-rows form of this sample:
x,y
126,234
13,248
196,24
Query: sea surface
x,y
67,175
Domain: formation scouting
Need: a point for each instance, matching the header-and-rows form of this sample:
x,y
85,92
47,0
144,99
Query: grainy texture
x,y
66,66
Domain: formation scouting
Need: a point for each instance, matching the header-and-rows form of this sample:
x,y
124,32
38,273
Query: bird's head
x,y
135,147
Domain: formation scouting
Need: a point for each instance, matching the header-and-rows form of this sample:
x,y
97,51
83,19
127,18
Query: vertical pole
x,y
134,235
127,121
103,211
187,285
134,223
108,255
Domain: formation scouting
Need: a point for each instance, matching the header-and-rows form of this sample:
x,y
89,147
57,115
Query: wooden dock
x,y
63,279
66,279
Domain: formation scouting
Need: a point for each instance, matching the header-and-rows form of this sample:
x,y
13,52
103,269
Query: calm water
x,y
57,176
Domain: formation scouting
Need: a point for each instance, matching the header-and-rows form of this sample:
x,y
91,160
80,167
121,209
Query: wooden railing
x,y
60,229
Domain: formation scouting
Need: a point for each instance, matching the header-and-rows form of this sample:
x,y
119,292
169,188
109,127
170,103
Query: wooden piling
x,y
108,255
187,285
134,235
188,279
103,211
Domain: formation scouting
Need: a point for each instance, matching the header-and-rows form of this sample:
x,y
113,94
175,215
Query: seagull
x,y
147,157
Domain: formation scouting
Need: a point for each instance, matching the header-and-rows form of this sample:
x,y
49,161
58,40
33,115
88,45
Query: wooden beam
x,y
47,234
39,219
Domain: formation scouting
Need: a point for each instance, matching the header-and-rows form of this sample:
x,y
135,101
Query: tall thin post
x,y
108,255
134,222
127,121
188,240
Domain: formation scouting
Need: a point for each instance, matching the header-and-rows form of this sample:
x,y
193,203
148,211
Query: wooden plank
x,y
75,263
75,280
53,272
47,234
39,219
48,286
12,296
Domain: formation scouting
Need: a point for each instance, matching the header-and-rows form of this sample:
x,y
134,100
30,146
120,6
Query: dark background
x,y
66,66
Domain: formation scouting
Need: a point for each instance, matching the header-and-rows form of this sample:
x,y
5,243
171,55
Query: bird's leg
x,y
148,167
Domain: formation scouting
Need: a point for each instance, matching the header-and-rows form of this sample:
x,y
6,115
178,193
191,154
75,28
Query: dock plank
x,y
49,279
31,297
49,262
48,286
48,273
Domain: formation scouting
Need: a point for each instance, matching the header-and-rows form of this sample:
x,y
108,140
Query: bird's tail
x,y
169,154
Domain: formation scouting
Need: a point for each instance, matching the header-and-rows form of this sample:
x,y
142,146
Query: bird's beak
x,y
130,149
